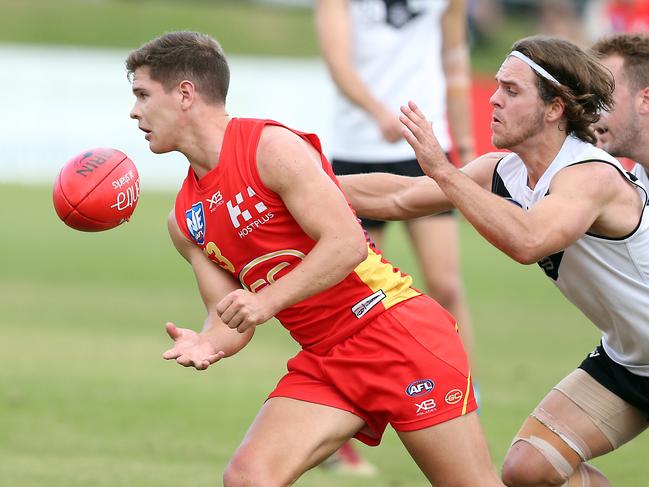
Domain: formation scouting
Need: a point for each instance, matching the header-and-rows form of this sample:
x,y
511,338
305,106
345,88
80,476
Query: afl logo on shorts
x,y
420,387
453,396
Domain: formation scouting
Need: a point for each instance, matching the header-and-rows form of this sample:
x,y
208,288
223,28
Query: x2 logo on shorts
x,y
426,407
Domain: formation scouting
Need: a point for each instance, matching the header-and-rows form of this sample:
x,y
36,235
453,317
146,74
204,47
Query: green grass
x,y
86,400
241,27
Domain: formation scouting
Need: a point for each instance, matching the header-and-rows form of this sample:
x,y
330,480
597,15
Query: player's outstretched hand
x,y
191,349
242,310
418,131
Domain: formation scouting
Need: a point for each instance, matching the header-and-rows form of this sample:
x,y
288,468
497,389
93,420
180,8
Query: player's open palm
x,y
418,132
191,349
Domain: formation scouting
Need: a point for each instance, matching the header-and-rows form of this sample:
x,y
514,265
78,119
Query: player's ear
x,y
643,101
187,92
555,109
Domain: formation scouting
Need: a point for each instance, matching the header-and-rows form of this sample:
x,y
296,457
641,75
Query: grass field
x,y
240,26
86,400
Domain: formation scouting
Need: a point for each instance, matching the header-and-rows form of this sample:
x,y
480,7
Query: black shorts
x,y
408,167
633,388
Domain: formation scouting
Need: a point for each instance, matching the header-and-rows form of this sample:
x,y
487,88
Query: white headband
x,y
534,66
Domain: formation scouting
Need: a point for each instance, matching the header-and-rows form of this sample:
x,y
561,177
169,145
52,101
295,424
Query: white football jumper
x,y
397,52
641,173
606,278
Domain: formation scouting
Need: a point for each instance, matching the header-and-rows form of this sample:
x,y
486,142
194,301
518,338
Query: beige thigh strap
x,y
550,453
614,417
564,431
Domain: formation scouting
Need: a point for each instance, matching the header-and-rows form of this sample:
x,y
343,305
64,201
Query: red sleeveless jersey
x,y
245,228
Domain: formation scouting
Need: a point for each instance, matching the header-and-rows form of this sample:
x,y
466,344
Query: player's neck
x,y
202,145
639,150
538,152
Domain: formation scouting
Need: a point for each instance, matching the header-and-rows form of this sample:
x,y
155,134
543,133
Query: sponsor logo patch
x,y
196,222
215,200
426,407
363,306
420,387
453,396
238,213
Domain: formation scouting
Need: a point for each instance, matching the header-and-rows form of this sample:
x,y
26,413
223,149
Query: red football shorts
x,y
407,368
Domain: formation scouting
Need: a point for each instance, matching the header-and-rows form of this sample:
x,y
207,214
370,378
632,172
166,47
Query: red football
x,y
97,190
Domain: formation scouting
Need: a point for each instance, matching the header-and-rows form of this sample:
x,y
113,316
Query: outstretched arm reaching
x,y
569,210
384,196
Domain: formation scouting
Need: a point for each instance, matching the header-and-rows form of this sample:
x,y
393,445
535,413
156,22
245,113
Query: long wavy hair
x,y
586,86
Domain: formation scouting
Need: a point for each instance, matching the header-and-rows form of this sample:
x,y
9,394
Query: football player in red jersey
x,y
267,231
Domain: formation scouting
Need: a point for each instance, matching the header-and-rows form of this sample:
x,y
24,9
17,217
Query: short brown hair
x,y
586,86
176,56
634,49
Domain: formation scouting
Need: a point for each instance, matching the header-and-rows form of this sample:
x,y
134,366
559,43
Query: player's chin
x,y
158,149
498,142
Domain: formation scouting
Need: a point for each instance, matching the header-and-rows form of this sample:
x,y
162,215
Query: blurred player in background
x,y
267,232
624,132
379,54
561,202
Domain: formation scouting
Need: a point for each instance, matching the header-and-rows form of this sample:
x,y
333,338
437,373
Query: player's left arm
x,y
551,225
573,208
292,168
457,69
562,217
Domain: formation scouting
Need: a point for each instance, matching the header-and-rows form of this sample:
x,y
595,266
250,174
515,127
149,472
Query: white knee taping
x,y
551,454
563,431
614,417
585,476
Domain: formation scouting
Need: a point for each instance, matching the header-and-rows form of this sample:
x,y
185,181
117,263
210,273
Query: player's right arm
x,y
216,340
334,31
383,196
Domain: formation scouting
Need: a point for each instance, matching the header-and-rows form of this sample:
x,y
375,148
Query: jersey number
x,y
215,255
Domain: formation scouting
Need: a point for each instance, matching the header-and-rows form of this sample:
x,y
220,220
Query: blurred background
x,y
64,82
85,399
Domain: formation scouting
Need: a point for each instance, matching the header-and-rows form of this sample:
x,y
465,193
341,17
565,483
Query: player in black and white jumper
x,y
558,200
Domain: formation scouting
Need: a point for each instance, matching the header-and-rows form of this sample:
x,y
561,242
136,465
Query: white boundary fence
x,y
57,102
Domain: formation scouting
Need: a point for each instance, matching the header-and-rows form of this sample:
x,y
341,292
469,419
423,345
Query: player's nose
x,y
134,113
494,99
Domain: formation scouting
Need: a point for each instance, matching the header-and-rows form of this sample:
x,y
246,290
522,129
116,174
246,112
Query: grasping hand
x,y
242,310
418,131
191,349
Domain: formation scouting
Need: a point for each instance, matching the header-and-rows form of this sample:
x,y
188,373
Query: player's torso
x,y
389,22
606,278
245,228
396,50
